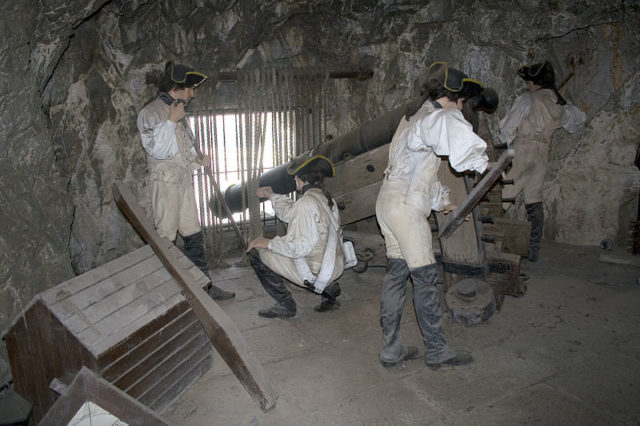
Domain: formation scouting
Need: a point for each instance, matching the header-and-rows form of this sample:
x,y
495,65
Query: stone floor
x,y
568,352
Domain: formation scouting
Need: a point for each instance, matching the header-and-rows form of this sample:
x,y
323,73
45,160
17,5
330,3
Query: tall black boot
x,y
194,250
394,290
275,287
329,296
535,215
426,301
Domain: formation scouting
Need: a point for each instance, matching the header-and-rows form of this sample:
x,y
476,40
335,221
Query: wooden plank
x,y
172,391
113,339
176,375
139,350
512,234
147,366
492,209
504,276
54,362
119,309
95,276
72,309
74,354
358,204
36,359
107,290
114,360
457,217
358,172
461,247
126,280
18,349
87,386
166,366
103,331
222,332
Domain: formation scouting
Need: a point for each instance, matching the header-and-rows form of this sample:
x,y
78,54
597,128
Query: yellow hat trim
x,y
315,157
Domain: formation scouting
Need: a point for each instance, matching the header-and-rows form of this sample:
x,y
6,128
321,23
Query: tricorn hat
x,y
538,73
486,101
316,163
183,74
454,80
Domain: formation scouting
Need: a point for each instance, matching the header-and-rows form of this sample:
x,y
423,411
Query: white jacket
x,y
416,145
536,115
169,146
308,228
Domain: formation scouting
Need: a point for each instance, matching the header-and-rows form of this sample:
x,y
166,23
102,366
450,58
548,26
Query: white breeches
x,y
406,230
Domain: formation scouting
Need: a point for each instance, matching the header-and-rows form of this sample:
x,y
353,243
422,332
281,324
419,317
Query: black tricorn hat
x,y
538,73
454,80
486,101
183,74
317,163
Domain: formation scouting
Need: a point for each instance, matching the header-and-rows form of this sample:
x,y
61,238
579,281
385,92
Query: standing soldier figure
x,y
171,158
409,192
528,126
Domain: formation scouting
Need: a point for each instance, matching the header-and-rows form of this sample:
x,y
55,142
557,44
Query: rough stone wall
x,y
73,79
37,210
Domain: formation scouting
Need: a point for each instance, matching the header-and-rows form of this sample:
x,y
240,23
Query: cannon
x,y
360,158
371,135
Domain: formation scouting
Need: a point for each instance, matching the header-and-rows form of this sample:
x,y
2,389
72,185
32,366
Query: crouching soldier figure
x,y
310,254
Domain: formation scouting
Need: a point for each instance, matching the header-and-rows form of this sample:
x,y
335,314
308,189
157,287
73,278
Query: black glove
x,y
309,286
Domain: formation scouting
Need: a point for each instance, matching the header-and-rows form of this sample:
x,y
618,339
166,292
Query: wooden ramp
x,y
127,321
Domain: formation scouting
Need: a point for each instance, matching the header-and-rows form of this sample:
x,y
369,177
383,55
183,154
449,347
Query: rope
x,y
286,108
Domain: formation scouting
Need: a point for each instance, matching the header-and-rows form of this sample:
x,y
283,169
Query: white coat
x,y
528,126
171,159
309,224
411,188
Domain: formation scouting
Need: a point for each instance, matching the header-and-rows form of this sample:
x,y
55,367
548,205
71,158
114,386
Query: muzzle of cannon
x,y
371,135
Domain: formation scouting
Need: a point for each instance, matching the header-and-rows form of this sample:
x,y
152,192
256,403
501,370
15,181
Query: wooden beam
x,y
222,331
457,217
358,172
359,204
88,387
463,247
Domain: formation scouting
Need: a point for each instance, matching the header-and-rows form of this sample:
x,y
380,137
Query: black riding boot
x,y
426,301
329,296
274,285
535,215
394,290
194,250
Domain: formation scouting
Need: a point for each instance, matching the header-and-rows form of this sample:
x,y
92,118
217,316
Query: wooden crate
x,y
127,321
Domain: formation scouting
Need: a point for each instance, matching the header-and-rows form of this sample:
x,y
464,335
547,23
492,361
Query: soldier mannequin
x,y
310,254
410,191
171,157
528,126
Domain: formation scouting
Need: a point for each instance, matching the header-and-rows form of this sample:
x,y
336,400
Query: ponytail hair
x,y
434,90
547,80
316,178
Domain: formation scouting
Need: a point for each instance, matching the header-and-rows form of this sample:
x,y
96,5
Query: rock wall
x,y
74,77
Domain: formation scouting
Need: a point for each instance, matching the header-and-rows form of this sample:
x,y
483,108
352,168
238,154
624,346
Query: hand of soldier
x,y
176,111
451,207
264,192
259,242
205,160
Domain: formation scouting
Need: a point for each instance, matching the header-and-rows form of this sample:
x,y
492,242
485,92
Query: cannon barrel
x,y
372,134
